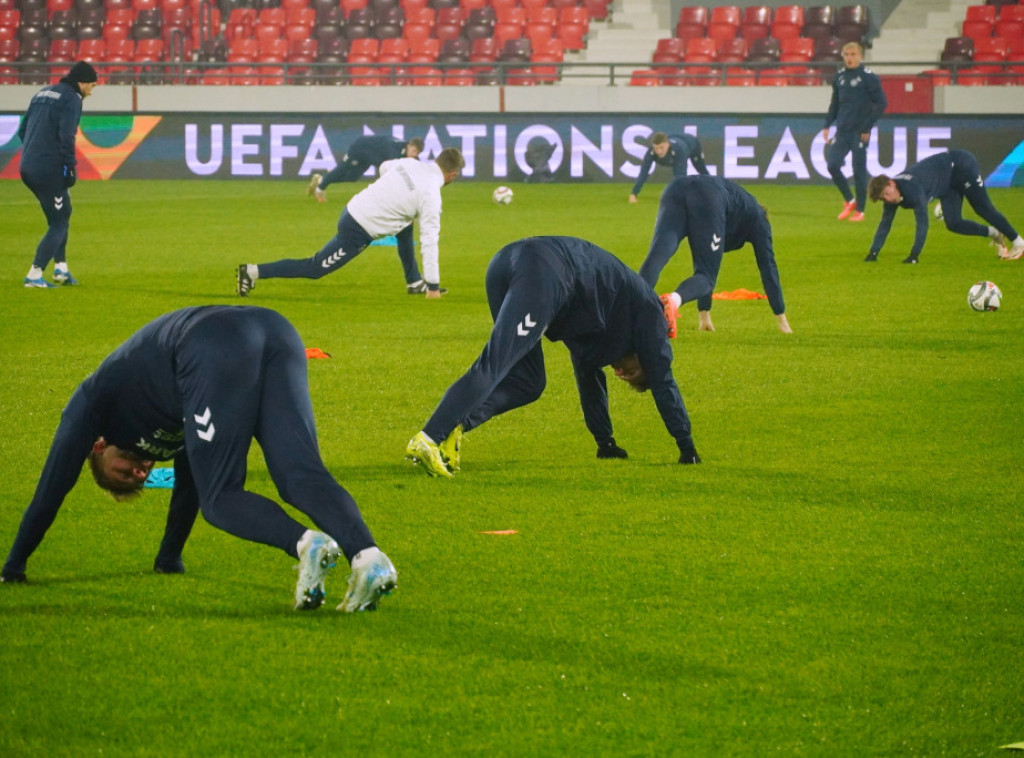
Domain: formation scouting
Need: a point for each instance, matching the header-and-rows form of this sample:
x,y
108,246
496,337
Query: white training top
x,y
407,189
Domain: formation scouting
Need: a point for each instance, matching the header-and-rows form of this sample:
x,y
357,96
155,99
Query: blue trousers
x,y
248,368
349,242
966,182
55,200
700,216
524,295
844,144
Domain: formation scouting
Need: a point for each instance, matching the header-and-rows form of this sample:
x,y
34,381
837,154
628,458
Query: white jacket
x,y
406,189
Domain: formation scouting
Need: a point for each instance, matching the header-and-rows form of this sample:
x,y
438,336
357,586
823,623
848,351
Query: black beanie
x,y
81,72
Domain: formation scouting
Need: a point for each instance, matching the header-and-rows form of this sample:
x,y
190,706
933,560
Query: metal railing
x,y
498,73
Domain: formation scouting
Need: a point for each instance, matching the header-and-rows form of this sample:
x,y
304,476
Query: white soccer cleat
x,y
1014,252
938,211
318,554
373,576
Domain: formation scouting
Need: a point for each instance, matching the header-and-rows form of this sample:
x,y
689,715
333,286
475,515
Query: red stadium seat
x,y
732,50
985,13
976,29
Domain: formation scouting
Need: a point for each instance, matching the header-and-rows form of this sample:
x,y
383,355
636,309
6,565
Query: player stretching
x,y
570,291
717,216
197,386
371,150
407,189
950,177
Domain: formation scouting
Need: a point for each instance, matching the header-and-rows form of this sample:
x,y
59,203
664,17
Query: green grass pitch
x,y
842,576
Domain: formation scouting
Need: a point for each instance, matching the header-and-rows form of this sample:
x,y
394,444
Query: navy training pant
x,y
524,292
55,200
842,145
698,215
349,242
966,182
243,377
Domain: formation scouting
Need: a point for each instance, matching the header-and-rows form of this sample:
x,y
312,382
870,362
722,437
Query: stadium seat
x,y
597,9
416,31
721,31
725,14
92,50
990,50
363,47
455,50
644,78
853,23
459,77
828,50
62,50
764,50
699,50
819,22
425,49
986,13
546,59
692,22
393,46
1007,29
756,22
740,77
796,50
957,50
732,50
772,77
976,29
572,35
63,25
672,48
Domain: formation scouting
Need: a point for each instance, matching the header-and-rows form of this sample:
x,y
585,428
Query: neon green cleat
x,y
422,449
450,448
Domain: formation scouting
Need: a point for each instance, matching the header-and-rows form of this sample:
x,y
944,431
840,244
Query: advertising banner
x,y
587,148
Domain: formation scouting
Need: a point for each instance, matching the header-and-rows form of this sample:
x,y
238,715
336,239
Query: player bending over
x,y
570,291
197,386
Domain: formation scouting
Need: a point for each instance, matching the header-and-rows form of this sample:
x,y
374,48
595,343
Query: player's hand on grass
x,y
609,449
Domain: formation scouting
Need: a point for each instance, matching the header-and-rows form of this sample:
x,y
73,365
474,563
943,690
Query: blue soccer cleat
x,y
38,283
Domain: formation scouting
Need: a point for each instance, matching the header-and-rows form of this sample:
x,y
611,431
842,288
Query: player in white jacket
x,y
407,189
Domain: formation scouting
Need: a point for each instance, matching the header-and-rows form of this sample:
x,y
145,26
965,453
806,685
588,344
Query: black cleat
x,y
871,257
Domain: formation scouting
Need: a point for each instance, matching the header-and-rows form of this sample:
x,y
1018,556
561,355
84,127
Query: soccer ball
x,y
984,296
502,195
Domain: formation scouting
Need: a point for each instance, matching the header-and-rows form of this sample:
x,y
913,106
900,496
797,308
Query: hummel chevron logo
x,y
530,323
58,202
333,258
716,242
205,434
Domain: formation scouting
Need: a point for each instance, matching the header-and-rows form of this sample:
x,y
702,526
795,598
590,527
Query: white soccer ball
x,y
984,296
938,211
502,195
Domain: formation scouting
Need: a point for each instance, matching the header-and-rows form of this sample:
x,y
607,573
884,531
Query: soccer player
x,y
47,133
570,291
371,150
717,216
406,189
857,103
670,150
197,386
950,177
